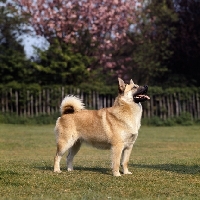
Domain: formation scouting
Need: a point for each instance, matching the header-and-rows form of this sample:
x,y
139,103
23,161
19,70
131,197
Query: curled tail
x,y
71,104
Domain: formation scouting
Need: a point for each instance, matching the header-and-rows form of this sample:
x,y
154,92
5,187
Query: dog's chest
x,y
128,138
133,123
130,132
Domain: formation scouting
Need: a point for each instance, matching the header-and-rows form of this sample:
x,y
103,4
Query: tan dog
x,y
114,128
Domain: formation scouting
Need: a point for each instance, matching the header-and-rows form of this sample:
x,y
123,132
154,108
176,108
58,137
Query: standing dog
x,y
114,128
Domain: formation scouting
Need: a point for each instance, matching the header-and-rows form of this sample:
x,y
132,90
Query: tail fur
x,y
71,104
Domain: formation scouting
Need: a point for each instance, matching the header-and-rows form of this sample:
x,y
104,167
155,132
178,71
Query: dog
x,y
114,128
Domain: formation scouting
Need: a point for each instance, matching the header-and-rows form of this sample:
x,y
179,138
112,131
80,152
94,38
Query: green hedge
x,y
7,118
184,120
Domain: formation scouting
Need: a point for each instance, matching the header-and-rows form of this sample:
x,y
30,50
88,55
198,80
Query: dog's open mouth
x,y
141,94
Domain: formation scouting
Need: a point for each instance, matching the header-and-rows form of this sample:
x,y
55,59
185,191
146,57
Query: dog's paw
x,y
69,169
127,172
116,174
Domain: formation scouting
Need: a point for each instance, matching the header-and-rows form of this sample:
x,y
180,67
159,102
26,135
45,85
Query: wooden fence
x,y
47,101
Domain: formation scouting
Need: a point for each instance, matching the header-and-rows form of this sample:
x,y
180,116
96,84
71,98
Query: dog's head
x,y
133,92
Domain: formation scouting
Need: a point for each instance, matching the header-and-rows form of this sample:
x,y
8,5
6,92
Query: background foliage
x,y
60,65
156,43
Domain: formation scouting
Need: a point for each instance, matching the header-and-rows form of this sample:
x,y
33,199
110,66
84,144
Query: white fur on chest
x,y
128,139
134,123
129,135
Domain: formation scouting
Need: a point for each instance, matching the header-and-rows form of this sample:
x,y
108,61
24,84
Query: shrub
x,y
185,119
6,118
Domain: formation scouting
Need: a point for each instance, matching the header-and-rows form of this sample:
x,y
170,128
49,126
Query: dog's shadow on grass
x,y
94,169
78,168
176,168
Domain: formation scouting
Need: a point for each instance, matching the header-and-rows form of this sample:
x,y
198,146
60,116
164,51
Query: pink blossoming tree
x,y
98,28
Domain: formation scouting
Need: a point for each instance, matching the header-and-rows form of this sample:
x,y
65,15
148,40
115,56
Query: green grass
x,y
165,163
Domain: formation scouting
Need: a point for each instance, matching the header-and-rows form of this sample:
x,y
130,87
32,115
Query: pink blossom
x,y
107,22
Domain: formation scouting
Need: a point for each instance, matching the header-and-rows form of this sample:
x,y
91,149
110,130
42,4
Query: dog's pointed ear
x,y
131,82
121,85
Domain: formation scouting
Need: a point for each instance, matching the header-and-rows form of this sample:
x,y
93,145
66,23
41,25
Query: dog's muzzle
x,y
141,94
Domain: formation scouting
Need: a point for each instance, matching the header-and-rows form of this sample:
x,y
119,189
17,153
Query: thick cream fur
x,y
114,128
73,101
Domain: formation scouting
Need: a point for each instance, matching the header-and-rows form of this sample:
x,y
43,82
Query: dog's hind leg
x,y
72,152
125,158
62,147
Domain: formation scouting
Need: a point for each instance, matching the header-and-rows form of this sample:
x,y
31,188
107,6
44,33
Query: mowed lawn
x,y
165,162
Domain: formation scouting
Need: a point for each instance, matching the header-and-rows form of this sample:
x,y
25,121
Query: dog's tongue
x,y
142,96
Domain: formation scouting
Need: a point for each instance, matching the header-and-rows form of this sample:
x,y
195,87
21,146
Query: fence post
x,y
32,113
198,106
16,102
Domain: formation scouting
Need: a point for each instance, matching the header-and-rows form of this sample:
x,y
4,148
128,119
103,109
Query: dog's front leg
x,y
116,155
125,158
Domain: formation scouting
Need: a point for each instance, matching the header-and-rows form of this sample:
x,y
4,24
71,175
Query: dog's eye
x,y
134,87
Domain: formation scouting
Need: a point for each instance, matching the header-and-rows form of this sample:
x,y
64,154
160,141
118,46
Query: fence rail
x,y
47,101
